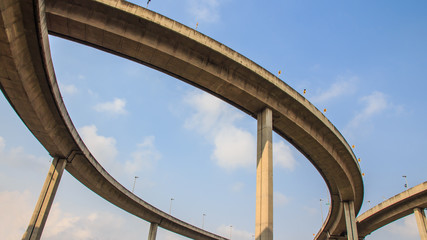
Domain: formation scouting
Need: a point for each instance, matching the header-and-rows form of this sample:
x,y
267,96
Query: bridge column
x,y
153,231
421,222
264,185
350,220
38,220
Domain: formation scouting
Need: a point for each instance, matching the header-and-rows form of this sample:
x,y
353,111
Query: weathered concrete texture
x,y
153,231
420,216
264,181
28,81
47,195
146,37
350,221
392,209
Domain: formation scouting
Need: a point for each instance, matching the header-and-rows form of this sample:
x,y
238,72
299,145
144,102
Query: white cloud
x,y
144,157
205,10
374,105
116,107
16,211
405,229
339,88
211,114
233,147
65,225
68,89
102,148
236,234
280,199
282,156
93,225
237,187
2,144
18,158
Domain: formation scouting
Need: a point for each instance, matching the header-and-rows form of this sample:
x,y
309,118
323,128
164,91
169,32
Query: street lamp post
x,y
203,222
231,229
134,181
406,181
170,207
321,209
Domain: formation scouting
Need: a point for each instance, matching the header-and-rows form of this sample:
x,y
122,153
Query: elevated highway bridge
x,y
27,79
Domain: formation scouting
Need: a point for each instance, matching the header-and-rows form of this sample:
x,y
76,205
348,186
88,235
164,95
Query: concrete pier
x,y
350,220
264,187
38,220
420,216
153,231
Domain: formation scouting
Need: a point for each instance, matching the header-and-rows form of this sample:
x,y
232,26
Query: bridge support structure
x,y
350,220
420,216
153,231
44,203
264,185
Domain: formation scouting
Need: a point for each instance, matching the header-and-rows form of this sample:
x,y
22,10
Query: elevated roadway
x,y
27,79
392,209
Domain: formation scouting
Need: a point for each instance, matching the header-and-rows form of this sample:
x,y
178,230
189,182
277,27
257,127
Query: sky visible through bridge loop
x,y
363,61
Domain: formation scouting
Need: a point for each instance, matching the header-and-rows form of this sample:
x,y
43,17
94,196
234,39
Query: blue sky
x,y
364,61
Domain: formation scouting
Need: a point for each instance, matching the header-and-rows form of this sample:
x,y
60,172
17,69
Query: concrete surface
x,y
392,209
264,176
28,82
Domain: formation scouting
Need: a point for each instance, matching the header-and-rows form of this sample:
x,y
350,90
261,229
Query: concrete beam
x,y
264,185
38,220
350,220
421,222
392,209
153,231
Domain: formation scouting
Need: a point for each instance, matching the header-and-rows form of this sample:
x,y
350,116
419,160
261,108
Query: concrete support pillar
x,y
153,231
264,182
350,220
421,222
38,220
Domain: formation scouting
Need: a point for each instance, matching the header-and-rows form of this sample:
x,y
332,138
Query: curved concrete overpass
x,y
399,206
28,82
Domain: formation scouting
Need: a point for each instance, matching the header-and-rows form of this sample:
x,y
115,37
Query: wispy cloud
x,y
144,157
68,89
60,224
280,199
115,107
405,228
343,86
102,148
282,156
17,157
237,186
105,152
204,10
16,212
233,147
236,234
374,104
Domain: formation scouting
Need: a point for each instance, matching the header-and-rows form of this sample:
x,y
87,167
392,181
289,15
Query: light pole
x,y
321,209
134,181
170,207
231,229
203,222
406,182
